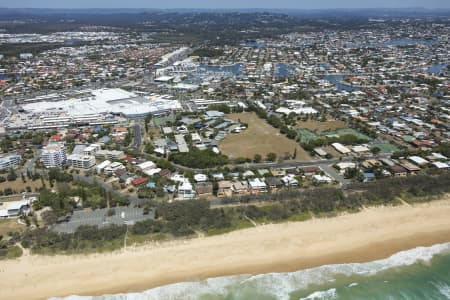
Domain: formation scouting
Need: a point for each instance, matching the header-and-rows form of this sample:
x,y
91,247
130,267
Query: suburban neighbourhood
x,y
105,132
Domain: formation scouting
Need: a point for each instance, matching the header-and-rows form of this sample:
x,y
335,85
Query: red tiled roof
x,y
139,181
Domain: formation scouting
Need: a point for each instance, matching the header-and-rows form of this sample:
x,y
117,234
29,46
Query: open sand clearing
x,y
372,234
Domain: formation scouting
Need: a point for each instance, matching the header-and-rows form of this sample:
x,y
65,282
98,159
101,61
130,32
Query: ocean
x,y
420,273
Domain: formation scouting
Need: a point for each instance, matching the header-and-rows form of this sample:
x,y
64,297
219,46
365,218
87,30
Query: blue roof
x,y
369,175
104,139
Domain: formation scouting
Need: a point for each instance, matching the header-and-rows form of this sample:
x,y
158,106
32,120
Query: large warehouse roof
x,y
115,101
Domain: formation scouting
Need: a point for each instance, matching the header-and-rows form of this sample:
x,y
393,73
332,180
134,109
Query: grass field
x,y
307,135
386,148
10,225
18,185
321,126
259,138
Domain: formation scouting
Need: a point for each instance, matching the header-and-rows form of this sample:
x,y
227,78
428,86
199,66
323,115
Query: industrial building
x,y
93,105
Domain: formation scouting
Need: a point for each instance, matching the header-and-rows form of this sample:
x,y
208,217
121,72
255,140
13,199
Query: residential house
x,y
204,189
289,180
240,188
321,179
225,188
310,170
257,185
139,181
398,171
274,183
186,191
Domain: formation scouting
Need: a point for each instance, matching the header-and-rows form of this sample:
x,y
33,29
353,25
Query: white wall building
x,y
91,149
110,154
115,166
100,167
81,161
54,155
9,161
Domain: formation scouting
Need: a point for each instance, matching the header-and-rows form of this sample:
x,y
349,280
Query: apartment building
x,y
54,155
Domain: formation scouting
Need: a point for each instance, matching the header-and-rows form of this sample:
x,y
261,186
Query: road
x,y
134,201
30,164
137,140
284,164
330,171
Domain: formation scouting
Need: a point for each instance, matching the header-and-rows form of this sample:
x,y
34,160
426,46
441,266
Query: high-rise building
x,y
54,155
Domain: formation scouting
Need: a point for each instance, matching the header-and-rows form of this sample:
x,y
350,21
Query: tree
x,y
351,173
272,157
49,217
375,150
11,175
148,118
257,158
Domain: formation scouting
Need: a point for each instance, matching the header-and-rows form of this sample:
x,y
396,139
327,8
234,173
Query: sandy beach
x,y
371,234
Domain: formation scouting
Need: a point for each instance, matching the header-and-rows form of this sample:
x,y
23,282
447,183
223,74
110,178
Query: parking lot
x,y
100,218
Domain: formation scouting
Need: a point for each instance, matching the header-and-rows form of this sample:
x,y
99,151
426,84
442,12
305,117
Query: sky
x,y
211,4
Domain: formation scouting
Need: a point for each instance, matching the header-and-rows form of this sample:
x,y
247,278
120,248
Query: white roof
x,y
438,155
441,165
289,179
103,101
341,148
115,166
320,151
177,178
185,186
358,149
283,110
418,160
152,171
256,183
305,111
248,173
103,164
346,165
147,165
322,178
14,205
200,177
164,78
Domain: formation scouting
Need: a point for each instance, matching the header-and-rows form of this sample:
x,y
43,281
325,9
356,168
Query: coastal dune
x,y
371,234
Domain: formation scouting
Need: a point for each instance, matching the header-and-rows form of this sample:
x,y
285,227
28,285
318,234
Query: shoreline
x,y
372,234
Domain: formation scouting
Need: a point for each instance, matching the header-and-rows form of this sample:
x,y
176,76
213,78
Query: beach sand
x,y
371,234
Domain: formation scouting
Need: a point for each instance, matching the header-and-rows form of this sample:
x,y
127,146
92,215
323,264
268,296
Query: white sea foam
x,y
322,295
444,289
279,285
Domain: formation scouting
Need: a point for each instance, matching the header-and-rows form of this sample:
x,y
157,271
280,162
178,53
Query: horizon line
x,y
235,8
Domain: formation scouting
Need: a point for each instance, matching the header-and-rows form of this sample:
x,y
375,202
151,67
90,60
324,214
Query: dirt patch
x,y
322,126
